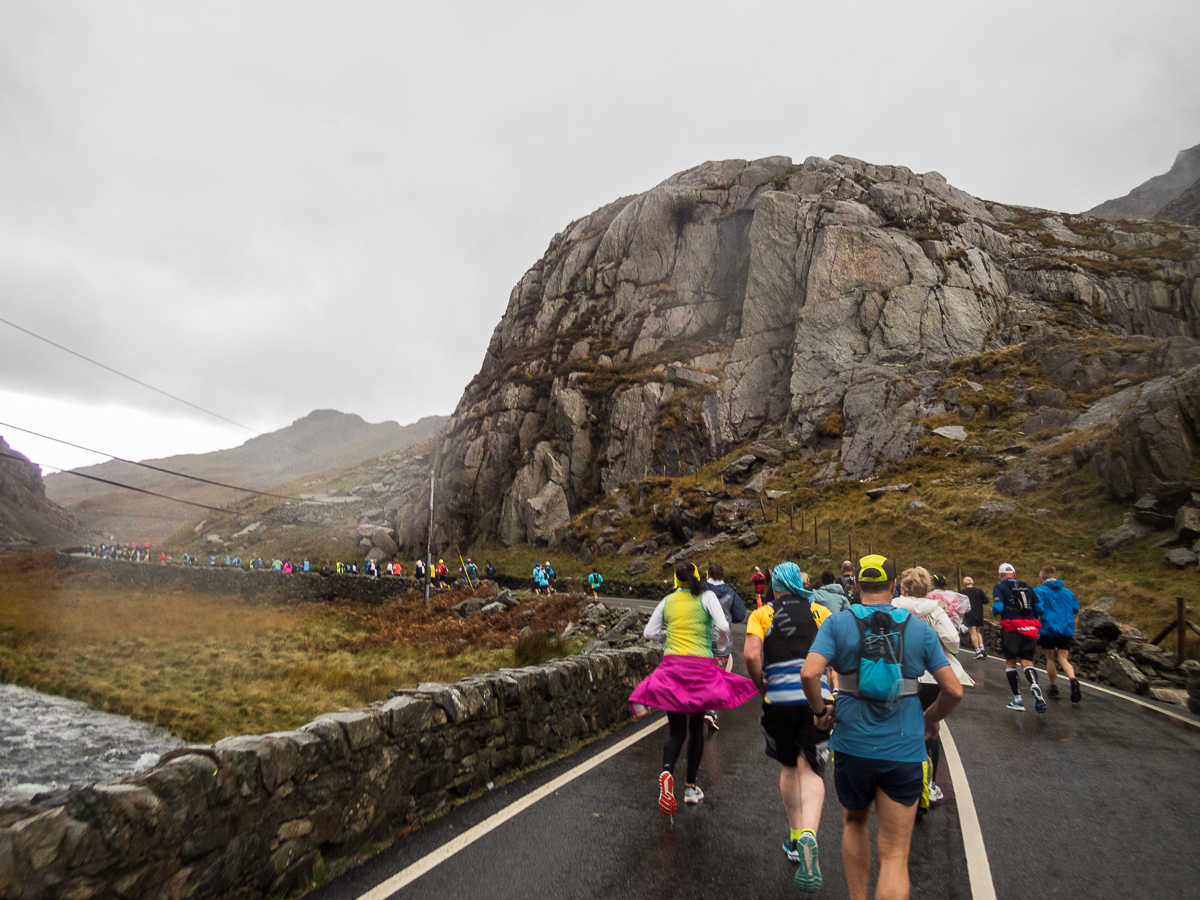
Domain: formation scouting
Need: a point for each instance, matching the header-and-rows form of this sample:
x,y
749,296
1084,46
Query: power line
x,y
160,391
128,487
146,465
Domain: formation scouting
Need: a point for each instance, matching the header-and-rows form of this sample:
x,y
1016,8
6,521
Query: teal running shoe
x,y
808,875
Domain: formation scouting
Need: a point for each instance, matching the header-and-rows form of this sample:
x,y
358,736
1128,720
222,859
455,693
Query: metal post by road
x,y
1181,633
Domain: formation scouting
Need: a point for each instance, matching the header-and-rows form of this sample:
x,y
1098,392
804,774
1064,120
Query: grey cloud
x,y
291,205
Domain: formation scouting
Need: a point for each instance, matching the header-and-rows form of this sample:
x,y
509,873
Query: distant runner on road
x,y
1059,608
593,582
735,611
974,618
759,580
1018,606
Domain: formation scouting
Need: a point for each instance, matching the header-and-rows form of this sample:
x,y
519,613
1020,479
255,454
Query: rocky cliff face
x,y
28,521
1146,201
818,305
1184,209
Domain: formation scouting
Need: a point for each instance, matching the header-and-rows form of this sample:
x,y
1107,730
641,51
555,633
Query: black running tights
x,y
928,694
681,726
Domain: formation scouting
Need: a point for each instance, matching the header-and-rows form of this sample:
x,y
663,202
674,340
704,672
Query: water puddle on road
x,y
49,742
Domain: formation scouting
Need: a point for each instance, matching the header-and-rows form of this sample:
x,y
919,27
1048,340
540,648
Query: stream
x,y
49,742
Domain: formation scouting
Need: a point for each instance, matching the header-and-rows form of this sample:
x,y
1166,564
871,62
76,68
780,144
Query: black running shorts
x,y
790,731
1054,641
856,779
974,619
1017,646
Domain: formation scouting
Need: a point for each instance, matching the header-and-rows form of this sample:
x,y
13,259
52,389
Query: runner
x,y
846,580
954,603
1018,606
831,594
760,584
778,638
686,682
1059,607
878,747
735,611
974,618
916,595
593,582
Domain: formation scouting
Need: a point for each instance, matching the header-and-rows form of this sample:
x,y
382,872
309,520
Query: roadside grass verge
x,y
207,667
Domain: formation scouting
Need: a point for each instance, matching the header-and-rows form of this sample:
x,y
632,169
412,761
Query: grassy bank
x,y
207,667
935,535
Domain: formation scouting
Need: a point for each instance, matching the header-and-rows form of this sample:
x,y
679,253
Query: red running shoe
x,y
666,793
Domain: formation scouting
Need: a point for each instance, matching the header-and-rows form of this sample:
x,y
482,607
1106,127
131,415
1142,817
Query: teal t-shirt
x,y
894,731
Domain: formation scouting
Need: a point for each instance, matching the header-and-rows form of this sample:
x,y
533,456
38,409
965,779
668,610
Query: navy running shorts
x,y
790,731
1054,642
1017,646
857,778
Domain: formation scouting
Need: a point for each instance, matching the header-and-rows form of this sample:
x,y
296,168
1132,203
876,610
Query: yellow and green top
x,y
686,621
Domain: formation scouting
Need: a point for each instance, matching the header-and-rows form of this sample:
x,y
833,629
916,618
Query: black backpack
x,y
1021,605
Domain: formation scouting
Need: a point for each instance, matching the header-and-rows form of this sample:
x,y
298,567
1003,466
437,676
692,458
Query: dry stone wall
x,y
253,816
295,587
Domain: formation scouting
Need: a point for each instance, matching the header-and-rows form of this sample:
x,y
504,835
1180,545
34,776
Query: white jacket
x,y
932,613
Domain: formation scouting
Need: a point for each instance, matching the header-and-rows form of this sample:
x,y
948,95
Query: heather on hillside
x,y
207,666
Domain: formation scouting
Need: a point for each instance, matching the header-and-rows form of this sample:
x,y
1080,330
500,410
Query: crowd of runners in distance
x,y
856,674
439,572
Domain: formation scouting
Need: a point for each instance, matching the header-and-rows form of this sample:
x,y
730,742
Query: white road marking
x,y
411,873
1121,696
978,868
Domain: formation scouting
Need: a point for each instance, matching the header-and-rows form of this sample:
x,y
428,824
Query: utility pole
x,y
429,539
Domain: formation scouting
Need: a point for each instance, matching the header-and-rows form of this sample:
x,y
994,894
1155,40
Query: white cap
x,y
1007,569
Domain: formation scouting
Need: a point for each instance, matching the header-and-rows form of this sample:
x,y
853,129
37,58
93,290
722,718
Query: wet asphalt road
x,y
1079,801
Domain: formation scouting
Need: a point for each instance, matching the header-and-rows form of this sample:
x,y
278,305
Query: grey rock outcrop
x,y
818,305
1147,199
993,511
1123,674
1121,537
28,519
1184,209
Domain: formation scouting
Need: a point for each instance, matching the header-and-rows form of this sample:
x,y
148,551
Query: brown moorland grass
x,y
936,536
207,667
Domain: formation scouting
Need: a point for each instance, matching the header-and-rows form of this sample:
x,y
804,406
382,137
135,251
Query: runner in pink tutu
x,y
687,682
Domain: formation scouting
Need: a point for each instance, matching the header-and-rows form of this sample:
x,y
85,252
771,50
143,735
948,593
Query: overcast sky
x,y
268,208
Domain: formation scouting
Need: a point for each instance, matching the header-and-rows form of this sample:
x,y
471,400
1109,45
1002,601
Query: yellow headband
x,y
695,572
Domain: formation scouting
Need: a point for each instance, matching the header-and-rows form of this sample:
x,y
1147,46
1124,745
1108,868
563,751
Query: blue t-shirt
x,y
879,730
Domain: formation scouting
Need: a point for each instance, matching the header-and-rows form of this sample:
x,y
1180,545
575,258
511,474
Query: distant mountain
x,y
1147,199
322,440
29,521
1184,209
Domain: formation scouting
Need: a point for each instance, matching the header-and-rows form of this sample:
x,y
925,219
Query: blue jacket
x,y
1059,607
832,597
